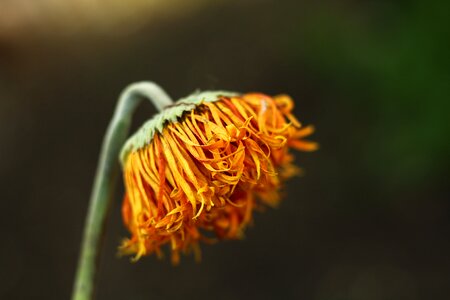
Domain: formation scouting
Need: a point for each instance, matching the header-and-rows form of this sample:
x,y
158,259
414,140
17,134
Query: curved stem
x,y
105,179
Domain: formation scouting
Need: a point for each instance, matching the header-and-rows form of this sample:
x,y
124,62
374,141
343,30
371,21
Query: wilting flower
x,y
204,165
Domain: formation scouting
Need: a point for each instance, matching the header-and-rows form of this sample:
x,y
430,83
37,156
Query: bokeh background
x,y
369,220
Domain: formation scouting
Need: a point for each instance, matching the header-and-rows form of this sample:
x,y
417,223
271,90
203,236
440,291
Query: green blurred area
x,y
393,62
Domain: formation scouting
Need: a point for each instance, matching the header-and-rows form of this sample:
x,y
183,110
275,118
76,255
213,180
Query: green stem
x,y
105,178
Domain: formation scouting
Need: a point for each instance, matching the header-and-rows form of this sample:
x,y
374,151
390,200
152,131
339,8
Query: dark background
x,y
369,220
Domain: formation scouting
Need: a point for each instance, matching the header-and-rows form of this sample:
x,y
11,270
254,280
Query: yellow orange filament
x,y
208,172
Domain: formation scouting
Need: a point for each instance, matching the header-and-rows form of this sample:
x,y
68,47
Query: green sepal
x,y
173,113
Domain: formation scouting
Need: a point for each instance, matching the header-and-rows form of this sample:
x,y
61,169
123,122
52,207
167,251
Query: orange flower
x,y
204,166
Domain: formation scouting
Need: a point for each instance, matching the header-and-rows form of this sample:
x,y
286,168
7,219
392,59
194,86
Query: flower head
x,y
204,165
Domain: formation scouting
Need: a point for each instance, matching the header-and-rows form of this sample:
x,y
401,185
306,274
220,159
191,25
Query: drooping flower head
x,y
203,165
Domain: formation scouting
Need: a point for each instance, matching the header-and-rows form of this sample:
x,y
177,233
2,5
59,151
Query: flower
x,y
204,165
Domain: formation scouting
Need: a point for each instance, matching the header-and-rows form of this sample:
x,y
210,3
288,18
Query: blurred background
x,y
369,220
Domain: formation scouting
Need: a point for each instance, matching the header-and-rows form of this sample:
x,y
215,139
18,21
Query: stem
x,y
105,178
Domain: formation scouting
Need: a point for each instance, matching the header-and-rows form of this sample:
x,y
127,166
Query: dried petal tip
x,y
206,169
